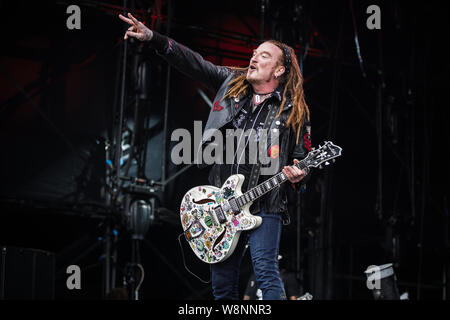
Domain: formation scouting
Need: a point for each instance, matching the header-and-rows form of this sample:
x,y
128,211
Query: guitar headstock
x,y
323,154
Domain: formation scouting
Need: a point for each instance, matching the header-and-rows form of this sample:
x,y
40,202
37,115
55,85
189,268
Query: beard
x,y
252,78
249,77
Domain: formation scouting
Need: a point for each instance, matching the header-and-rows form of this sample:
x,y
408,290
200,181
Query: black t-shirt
x,y
249,117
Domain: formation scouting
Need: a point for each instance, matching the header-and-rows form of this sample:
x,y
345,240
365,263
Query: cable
x,y
142,277
184,262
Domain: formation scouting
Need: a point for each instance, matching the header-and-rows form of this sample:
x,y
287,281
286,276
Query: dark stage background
x,y
384,201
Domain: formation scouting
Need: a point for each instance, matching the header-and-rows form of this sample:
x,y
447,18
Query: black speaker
x,y
26,274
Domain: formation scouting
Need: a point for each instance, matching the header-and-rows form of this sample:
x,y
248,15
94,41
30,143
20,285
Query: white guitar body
x,y
211,240
213,218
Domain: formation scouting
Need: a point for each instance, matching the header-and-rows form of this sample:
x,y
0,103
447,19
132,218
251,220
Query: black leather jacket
x,y
216,78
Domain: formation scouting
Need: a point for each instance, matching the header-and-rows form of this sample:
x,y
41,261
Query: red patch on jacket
x,y
216,106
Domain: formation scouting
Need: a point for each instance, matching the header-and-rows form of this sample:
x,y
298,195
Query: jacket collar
x,y
277,94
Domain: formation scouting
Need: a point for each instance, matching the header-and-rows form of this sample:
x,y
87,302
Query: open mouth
x,y
252,68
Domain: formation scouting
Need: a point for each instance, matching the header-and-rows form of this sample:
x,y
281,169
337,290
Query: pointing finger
x,y
129,21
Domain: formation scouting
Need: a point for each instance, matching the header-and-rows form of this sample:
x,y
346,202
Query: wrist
x,y
148,35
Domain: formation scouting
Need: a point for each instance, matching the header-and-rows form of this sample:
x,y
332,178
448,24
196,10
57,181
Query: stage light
x,y
141,215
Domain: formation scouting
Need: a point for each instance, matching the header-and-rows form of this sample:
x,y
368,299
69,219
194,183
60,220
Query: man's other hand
x,y
293,173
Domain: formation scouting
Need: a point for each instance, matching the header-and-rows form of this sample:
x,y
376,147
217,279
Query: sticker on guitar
x,y
213,218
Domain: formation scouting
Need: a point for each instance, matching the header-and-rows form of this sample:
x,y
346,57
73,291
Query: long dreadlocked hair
x,y
293,88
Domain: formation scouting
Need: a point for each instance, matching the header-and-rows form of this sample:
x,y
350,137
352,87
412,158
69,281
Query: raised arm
x,y
182,58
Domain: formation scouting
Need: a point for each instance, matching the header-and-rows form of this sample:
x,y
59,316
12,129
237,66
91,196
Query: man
x,y
266,95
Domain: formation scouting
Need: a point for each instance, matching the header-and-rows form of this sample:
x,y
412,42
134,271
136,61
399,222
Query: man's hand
x,y
293,173
137,30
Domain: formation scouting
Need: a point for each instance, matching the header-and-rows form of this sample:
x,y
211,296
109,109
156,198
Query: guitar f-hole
x,y
219,238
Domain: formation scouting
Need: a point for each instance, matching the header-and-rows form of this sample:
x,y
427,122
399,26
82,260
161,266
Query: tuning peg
x,y
327,163
334,160
320,167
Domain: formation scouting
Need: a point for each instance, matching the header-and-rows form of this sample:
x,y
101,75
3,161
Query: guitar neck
x,y
265,187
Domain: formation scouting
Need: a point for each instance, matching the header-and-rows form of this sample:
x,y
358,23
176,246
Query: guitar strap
x,y
256,168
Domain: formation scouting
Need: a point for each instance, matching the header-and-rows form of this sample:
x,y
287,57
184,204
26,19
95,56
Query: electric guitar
x,y
213,218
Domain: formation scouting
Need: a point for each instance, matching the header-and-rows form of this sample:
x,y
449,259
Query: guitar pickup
x,y
220,214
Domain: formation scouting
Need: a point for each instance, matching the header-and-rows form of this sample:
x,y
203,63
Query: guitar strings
x,y
184,262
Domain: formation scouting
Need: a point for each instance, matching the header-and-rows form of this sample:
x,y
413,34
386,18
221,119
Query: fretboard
x,y
265,187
